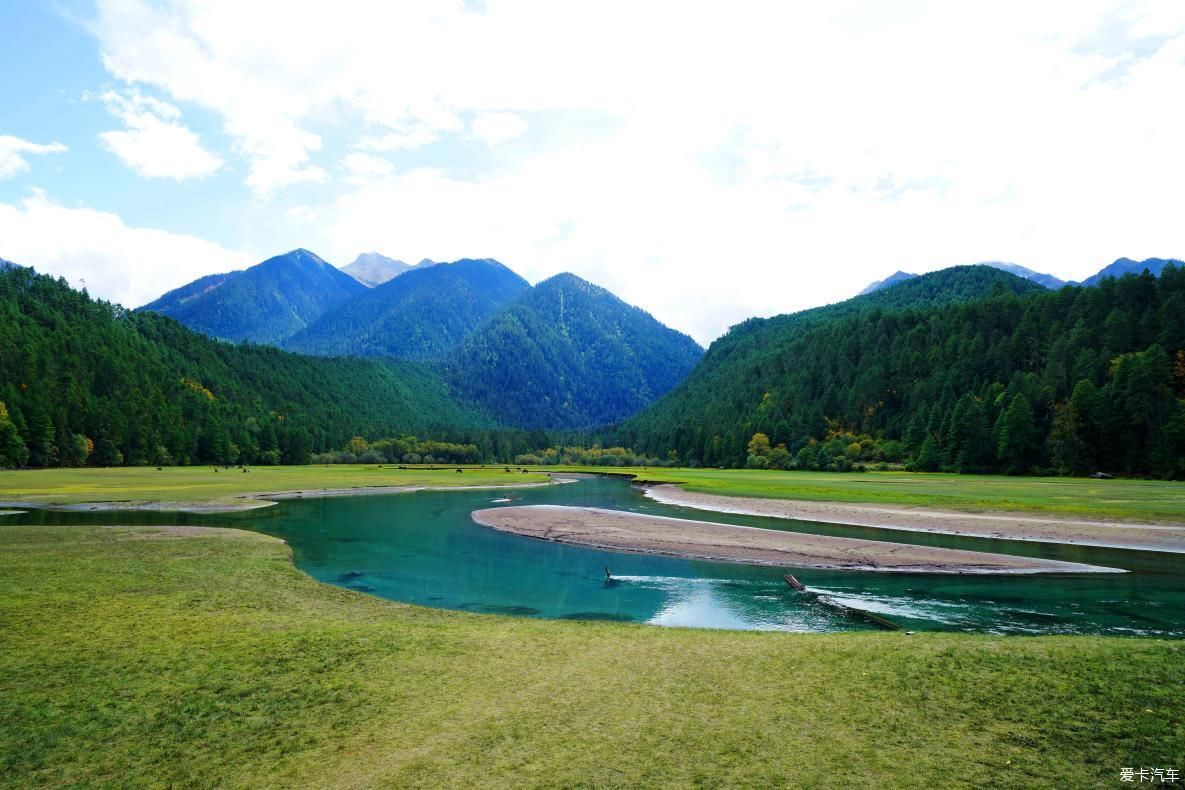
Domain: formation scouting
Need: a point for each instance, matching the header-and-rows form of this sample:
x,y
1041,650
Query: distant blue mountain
x,y
419,314
371,268
1046,280
1128,266
265,303
892,279
9,265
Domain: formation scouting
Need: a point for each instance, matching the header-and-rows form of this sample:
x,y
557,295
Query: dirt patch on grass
x,y
157,533
254,501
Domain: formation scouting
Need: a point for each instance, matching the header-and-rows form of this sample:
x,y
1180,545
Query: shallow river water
x,y
423,548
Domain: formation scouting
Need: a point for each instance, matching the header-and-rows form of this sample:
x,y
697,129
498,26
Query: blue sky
x,y
707,162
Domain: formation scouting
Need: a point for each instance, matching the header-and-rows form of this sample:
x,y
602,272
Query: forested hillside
x,y
421,314
938,373
569,354
1044,280
265,303
83,381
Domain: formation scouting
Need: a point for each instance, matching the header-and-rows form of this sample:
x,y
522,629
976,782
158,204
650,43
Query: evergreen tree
x,y
1019,437
12,449
970,450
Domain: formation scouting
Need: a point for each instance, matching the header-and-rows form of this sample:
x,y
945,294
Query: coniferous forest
x,y
87,382
1074,381
968,369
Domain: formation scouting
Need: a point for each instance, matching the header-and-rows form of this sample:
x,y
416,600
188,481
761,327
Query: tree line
x,y
86,382
1074,381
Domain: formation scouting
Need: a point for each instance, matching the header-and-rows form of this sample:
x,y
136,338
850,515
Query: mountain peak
x,y
1122,266
419,314
1047,280
373,268
566,278
569,354
264,303
1044,280
894,278
299,255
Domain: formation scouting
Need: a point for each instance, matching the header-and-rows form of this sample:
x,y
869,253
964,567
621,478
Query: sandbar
x,y
997,524
619,530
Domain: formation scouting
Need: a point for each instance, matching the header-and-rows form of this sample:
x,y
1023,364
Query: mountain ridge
x,y
569,354
144,389
1118,268
420,314
263,303
1123,266
373,268
981,380
899,276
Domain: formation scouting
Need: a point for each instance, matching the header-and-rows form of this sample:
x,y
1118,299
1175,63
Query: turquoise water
x,y
423,548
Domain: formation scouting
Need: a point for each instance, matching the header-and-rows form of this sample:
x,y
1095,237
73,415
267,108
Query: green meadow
x,y
1127,499
135,657
140,484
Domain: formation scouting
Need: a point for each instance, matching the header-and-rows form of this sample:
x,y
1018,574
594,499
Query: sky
x,y
705,161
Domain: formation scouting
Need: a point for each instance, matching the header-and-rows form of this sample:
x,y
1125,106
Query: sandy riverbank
x,y
624,531
1008,525
253,501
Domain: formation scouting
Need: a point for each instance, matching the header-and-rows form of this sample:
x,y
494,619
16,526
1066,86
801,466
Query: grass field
x,y
203,484
1134,500
1148,500
135,658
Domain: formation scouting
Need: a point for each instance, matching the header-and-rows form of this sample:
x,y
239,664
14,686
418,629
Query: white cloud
x,y
364,168
154,143
411,139
302,214
746,159
12,149
123,264
498,127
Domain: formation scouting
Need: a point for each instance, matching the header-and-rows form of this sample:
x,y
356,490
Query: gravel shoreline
x,y
618,530
1006,525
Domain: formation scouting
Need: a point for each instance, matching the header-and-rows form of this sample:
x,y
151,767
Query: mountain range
x,y
569,354
970,368
562,354
1116,269
1127,266
1046,280
420,314
266,303
967,369
143,389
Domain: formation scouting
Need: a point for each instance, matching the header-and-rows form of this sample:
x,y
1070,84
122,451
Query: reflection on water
x,y
423,548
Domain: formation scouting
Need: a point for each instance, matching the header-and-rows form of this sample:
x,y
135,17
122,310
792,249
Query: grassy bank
x,y
203,484
137,657
1136,500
